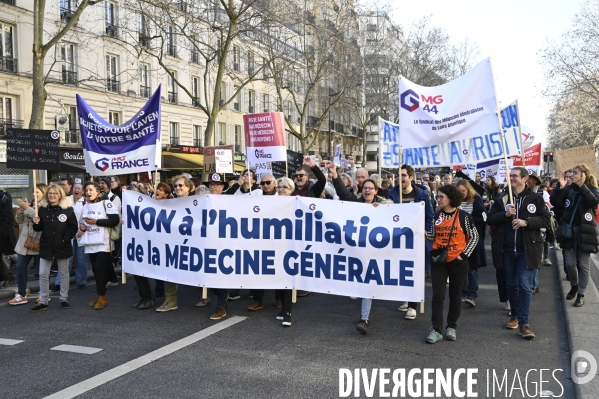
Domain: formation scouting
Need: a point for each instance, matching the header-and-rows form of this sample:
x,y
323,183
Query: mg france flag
x,y
265,139
116,150
452,124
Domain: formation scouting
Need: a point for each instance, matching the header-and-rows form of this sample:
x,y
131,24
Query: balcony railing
x,y
11,2
112,31
72,137
9,123
172,97
66,14
175,140
144,91
69,77
171,50
8,64
113,85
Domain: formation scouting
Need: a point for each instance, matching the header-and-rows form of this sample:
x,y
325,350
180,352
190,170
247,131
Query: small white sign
x,y
224,161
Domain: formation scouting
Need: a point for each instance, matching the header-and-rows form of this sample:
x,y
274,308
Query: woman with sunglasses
x,y
369,196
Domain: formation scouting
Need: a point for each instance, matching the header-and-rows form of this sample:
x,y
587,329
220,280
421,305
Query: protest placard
x,y
295,160
223,160
32,149
265,137
567,159
210,159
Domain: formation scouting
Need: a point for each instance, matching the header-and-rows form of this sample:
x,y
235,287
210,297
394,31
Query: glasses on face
x,y
298,176
367,188
282,188
267,183
178,185
49,194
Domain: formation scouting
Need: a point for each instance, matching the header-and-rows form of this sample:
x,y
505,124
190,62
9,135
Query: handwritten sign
x,y
32,149
567,159
295,160
209,158
224,161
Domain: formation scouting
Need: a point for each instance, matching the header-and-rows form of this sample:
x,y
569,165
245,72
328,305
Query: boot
x,y
93,303
572,293
102,301
579,301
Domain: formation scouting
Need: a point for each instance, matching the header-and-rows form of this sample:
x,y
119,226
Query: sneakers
x,y
450,334
280,315
526,332
279,304
572,292
39,307
18,300
203,302
547,262
470,302
219,313
433,337
167,306
64,304
286,320
146,304
579,301
255,306
136,304
301,293
233,296
463,299
512,324
506,306
411,314
362,327
403,307
111,284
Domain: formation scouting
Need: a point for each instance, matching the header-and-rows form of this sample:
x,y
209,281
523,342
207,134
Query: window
x,y
112,73
195,91
144,81
251,63
171,41
265,102
238,147
236,58
114,117
172,87
197,135
222,133
67,58
174,133
288,110
223,93
111,21
67,9
7,114
193,43
143,26
7,62
264,68
371,157
251,101
71,136
237,99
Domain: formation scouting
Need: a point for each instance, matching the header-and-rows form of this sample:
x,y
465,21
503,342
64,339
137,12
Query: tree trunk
x,y
39,93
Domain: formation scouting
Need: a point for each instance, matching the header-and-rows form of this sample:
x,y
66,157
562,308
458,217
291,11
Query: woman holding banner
x,y
454,237
97,217
58,224
473,204
370,196
579,200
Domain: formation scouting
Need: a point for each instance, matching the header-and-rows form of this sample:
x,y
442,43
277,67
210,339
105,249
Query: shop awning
x,y
177,161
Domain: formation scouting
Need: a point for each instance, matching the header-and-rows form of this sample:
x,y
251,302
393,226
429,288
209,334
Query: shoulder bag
x,y
563,232
32,242
439,255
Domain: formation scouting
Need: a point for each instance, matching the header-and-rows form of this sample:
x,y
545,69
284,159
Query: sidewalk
x,y
582,323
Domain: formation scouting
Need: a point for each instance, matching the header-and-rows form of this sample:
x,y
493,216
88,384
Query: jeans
x,y
82,265
285,296
520,285
22,263
143,287
501,285
579,269
470,289
365,310
456,270
222,294
98,261
63,270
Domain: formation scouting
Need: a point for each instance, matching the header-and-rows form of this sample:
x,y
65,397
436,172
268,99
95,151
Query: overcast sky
x,y
511,32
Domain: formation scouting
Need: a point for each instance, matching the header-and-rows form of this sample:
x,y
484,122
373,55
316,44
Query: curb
x,y
574,326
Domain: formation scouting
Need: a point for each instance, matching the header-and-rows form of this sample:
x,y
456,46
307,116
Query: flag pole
x,y
34,175
520,134
399,170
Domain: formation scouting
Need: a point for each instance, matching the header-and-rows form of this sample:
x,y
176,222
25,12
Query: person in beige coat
x,y
25,215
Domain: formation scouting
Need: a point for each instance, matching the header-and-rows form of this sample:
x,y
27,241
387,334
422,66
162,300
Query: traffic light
x,y
551,156
545,156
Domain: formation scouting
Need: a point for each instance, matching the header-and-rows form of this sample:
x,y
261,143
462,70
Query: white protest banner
x,y
265,137
337,158
119,150
223,160
452,124
222,241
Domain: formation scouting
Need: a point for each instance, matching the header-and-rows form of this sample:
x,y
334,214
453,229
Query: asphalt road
x,y
257,358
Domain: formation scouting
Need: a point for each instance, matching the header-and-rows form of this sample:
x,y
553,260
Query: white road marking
x,y
86,350
9,342
134,364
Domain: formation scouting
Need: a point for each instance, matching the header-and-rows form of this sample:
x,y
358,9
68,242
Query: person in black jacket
x,y
582,197
58,224
517,245
8,238
303,186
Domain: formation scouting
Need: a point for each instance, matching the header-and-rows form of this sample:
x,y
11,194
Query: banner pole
x,y
399,170
379,150
520,134
34,178
247,166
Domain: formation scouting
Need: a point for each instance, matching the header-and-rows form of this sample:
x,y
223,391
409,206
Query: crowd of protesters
x,y
78,224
